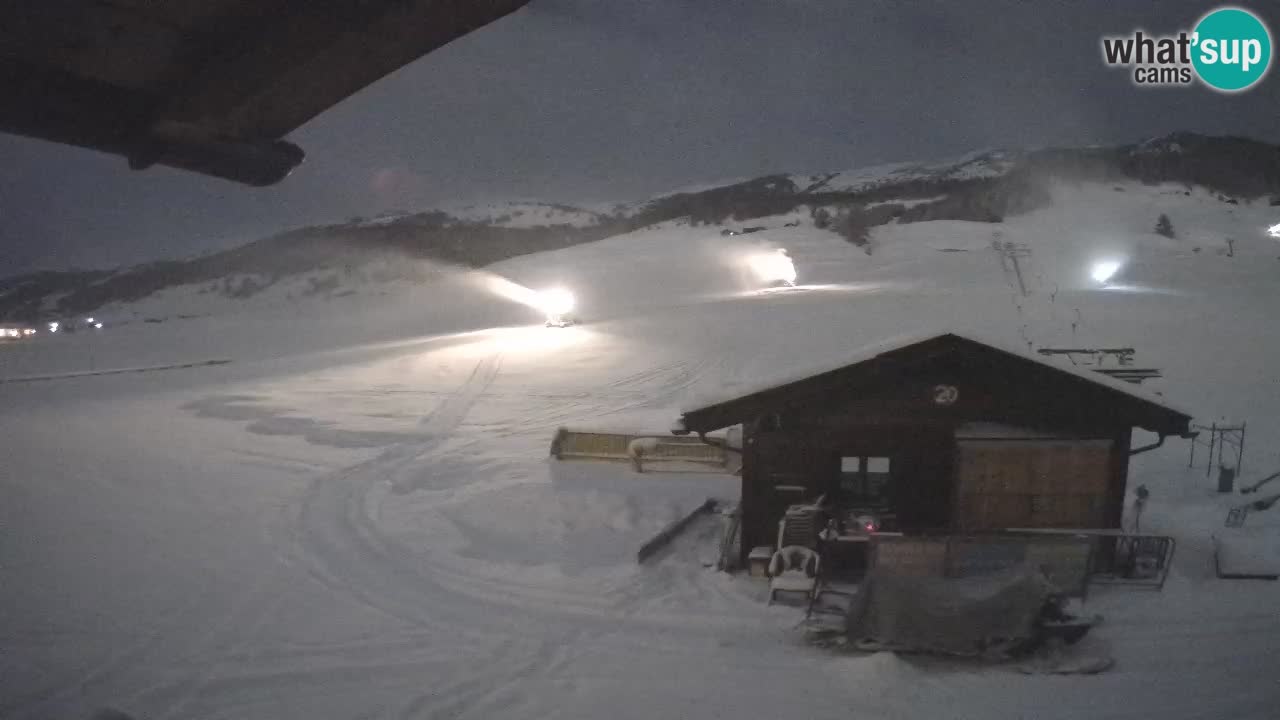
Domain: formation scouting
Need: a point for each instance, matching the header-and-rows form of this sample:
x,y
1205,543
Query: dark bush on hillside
x,y
854,225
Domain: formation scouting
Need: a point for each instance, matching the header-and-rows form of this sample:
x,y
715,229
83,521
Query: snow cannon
x,y
1103,271
775,269
557,304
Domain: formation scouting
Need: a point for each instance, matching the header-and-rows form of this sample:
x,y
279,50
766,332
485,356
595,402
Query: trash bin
x,y
1226,479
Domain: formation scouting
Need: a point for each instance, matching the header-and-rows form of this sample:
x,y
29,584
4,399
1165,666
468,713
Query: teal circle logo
x,y
1231,49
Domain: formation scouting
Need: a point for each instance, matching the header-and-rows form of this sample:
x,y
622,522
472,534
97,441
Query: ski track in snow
x,y
341,545
336,539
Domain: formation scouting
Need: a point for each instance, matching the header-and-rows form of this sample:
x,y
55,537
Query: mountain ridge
x,y
982,186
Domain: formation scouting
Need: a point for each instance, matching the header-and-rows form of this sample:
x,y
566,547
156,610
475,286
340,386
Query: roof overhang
x,y
886,363
211,86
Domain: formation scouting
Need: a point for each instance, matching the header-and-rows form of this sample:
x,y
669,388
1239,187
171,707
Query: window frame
x,y
861,493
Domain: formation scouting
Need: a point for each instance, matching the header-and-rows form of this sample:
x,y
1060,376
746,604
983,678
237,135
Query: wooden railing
x,y
1120,558
1071,559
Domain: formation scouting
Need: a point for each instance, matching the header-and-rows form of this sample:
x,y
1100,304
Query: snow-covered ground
x,y
357,518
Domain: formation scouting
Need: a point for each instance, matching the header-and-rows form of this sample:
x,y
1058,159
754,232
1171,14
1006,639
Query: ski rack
x,y
1220,436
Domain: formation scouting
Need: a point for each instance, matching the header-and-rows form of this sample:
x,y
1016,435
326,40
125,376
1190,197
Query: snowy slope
x,y
979,164
518,214
353,257
512,214
357,518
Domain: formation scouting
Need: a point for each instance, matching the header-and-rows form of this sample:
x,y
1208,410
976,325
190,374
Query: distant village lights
x,y
53,326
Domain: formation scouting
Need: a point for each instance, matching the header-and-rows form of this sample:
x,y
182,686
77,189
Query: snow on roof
x,y
1085,373
734,391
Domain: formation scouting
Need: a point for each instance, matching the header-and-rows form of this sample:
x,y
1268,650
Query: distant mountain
x,y
984,186
512,214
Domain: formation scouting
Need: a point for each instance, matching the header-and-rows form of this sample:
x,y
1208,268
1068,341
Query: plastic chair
x,y
794,569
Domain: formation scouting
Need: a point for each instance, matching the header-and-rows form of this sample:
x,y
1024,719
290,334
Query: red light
x,y
871,527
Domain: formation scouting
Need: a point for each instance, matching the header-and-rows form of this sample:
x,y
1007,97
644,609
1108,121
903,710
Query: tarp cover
x,y
985,615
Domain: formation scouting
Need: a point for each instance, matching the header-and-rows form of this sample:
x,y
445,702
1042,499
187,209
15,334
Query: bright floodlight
x,y
1104,270
89,320
773,267
53,327
97,326
1274,230
556,301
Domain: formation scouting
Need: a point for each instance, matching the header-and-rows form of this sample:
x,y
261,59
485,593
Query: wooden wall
x,y
778,470
940,482
1032,483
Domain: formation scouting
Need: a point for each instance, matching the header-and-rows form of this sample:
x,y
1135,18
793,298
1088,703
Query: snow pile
x,y
1253,552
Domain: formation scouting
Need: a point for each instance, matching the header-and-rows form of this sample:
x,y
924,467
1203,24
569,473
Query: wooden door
x,y
1031,483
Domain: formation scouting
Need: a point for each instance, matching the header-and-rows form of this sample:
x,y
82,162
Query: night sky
x,y
597,100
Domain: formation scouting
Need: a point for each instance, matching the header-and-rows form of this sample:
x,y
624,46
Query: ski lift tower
x,y
1223,440
1010,253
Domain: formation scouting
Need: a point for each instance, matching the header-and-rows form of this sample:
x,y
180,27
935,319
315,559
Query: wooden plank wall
x,y
1032,483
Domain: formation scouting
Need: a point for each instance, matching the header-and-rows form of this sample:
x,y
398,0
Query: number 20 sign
x,y
945,394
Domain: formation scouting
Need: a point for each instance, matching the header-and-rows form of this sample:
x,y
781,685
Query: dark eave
x,y
211,86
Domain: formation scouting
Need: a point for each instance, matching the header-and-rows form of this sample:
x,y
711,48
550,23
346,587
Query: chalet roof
x,y
736,403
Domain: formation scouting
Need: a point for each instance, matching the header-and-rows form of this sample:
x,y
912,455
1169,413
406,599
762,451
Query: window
x,y
865,479
877,472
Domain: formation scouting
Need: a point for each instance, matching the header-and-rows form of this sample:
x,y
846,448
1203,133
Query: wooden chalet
x,y
940,434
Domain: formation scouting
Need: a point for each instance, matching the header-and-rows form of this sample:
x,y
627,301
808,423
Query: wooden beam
x,y
1117,485
667,534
